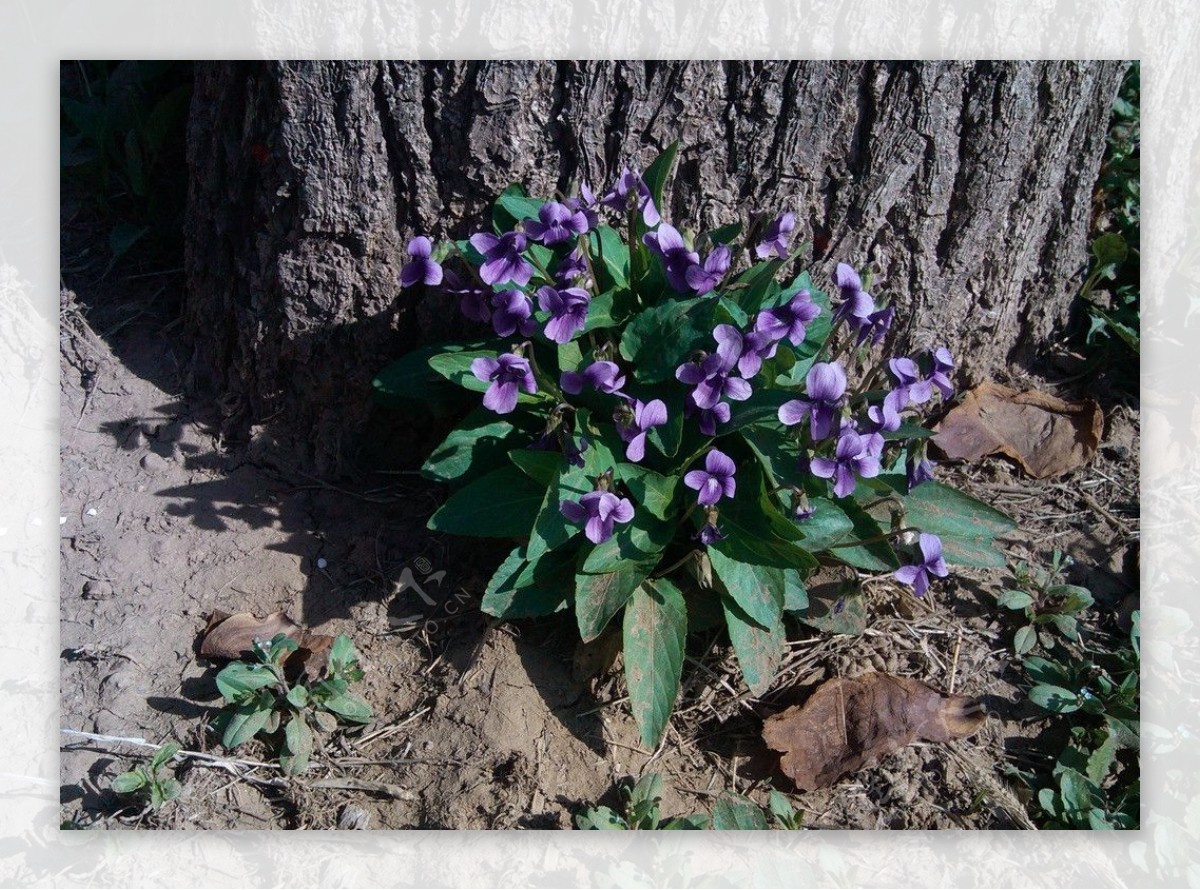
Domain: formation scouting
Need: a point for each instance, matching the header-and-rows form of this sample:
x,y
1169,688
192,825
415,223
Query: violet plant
x,y
676,426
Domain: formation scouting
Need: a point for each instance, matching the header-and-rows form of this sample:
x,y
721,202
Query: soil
x,y
476,724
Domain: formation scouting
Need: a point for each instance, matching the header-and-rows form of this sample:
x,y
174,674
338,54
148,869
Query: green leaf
x,y
759,650
968,528
641,540
1110,249
1025,639
659,339
512,206
757,589
348,707
782,808
725,234
502,504
297,697
732,812
1042,670
695,822
475,446
652,492
751,522
1074,598
410,380
1101,760
877,556
600,819
127,783
542,467
246,720
163,756
551,529
1014,599
1054,699
523,589
599,597
836,609
1079,796
297,746
659,172
171,789
342,654
613,256
237,680
655,633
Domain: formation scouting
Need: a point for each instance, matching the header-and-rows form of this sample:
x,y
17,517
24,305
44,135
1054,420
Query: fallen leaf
x,y
851,723
1044,434
232,636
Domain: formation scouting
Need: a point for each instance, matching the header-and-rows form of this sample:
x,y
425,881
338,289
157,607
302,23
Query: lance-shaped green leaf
x,y
652,492
757,589
475,446
502,504
732,812
551,529
655,633
410,380
611,255
759,650
599,597
456,367
524,589
512,206
659,173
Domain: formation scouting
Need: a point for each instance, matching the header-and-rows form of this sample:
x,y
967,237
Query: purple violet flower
x,y
917,390
709,417
505,373
645,417
877,326
709,534
512,312
629,183
556,223
851,457
825,385
747,351
856,307
473,301
598,510
803,512
777,236
502,260
586,204
572,267
710,377
703,279
917,469
943,367
668,244
606,377
789,320
715,480
885,417
568,310
422,267
932,563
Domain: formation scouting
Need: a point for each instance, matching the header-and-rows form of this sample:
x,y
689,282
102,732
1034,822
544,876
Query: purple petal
x,y
483,368
846,277
572,511
652,414
562,328
718,463
695,479
845,481
690,373
931,547
906,574
737,389
501,397
433,273
710,493
485,242
793,412
598,530
571,382
826,382
823,467
636,449
623,512
420,246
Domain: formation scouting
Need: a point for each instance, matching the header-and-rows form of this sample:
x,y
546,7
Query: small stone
x,y
92,511
97,590
62,520
152,463
322,563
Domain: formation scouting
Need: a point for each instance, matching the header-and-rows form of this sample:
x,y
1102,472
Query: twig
x,y
954,664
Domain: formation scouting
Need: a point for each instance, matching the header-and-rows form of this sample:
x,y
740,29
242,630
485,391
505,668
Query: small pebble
x,y
321,563
92,511
62,520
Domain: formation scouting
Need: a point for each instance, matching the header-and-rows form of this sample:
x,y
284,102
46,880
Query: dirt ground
x,y
477,724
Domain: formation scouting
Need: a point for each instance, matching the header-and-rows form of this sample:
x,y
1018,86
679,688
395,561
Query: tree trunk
x,y
966,186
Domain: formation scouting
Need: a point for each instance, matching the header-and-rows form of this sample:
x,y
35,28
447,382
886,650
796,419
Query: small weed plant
x,y
262,702
152,782
1046,603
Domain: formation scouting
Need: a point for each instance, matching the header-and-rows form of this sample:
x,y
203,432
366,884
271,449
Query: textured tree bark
x,y
966,186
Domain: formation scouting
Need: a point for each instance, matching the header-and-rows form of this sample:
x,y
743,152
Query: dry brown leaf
x,y
233,636
1044,434
851,723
